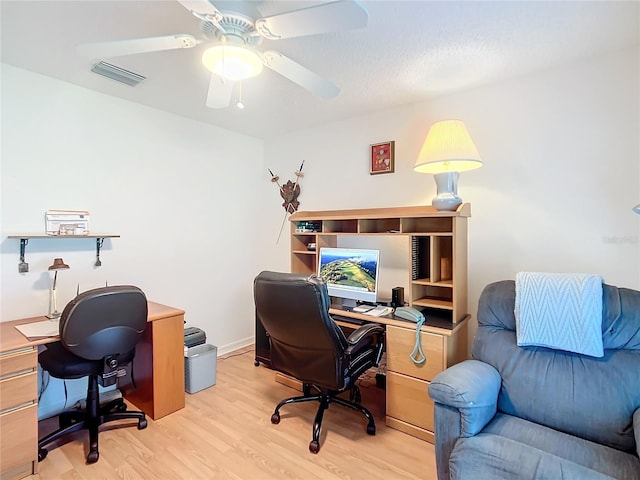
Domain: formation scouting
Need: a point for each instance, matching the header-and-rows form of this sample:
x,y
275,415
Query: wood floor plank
x,y
225,432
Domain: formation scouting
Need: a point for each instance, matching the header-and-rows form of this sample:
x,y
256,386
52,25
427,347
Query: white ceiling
x,y
411,51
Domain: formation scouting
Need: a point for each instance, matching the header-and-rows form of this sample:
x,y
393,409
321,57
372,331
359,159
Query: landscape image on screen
x,y
349,271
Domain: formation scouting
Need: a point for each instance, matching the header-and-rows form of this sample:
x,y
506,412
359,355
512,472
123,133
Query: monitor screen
x,y
350,273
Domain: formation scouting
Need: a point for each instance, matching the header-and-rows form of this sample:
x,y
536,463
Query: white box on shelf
x,y
66,222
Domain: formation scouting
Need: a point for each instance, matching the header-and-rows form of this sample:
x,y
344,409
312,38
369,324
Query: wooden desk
x,y
436,277
408,405
158,370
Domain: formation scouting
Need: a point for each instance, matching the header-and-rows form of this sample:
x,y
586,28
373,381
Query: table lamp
x,y
447,151
58,264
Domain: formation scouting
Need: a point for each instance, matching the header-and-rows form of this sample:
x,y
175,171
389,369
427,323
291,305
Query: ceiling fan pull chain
x,y
240,105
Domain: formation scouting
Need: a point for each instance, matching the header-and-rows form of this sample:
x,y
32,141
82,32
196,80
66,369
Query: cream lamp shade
x,y
447,151
233,62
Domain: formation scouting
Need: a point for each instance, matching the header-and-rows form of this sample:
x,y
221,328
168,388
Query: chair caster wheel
x,y
371,429
42,454
256,363
314,447
92,457
142,424
275,418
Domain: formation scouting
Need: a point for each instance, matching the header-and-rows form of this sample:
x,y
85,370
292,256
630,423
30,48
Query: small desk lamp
x,y
447,151
58,264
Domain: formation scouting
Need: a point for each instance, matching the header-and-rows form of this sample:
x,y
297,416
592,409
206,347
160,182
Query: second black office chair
x,y
99,330
308,345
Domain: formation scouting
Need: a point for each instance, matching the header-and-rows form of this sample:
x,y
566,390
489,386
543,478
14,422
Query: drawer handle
x,y
17,374
16,351
17,407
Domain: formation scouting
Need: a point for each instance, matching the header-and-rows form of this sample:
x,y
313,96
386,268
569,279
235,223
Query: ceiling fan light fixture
x,y
232,62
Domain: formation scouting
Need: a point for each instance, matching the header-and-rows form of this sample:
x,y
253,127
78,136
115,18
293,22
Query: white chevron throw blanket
x,y
561,311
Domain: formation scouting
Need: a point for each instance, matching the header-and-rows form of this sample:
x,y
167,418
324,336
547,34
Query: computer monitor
x,y
350,273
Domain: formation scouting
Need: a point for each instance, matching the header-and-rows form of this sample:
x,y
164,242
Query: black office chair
x,y
99,330
308,345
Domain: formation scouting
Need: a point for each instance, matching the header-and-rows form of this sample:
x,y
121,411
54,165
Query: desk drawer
x,y
400,343
18,390
19,446
408,400
18,361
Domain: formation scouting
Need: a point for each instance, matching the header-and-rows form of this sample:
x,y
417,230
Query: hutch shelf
x,y
437,245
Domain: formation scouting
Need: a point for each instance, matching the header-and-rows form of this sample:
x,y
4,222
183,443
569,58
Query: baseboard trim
x,y
231,347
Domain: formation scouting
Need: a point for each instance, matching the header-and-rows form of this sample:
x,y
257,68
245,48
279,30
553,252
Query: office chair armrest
x,y
362,337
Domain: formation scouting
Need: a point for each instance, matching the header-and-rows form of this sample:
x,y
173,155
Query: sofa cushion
x,y
510,447
593,398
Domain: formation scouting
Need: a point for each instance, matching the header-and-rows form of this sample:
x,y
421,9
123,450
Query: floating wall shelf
x,y
24,238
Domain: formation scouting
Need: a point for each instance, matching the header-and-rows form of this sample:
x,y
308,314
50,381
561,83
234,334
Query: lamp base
x,y
447,198
53,315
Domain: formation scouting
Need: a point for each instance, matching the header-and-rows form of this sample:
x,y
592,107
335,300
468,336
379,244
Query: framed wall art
x,y
381,158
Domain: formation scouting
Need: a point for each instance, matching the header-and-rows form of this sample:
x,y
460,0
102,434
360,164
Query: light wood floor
x,y
225,432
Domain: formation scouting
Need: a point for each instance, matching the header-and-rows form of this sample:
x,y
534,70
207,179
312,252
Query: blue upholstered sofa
x,y
538,413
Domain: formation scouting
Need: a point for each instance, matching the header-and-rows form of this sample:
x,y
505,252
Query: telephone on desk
x,y
409,313
413,315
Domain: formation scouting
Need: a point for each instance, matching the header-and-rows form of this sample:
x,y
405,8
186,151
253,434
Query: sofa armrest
x,y
466,397
636,429
471,387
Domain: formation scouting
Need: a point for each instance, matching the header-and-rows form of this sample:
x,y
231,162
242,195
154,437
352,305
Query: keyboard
x,y
354,321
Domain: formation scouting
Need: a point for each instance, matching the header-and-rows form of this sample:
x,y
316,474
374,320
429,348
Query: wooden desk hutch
x,y
437,279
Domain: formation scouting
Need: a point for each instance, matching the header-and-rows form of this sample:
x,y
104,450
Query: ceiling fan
x,y
232,36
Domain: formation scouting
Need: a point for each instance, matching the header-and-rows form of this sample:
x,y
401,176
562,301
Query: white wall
x,y
180,193
199,217
561,174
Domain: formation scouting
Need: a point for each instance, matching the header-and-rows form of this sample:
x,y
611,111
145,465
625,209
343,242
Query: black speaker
x,y
397,297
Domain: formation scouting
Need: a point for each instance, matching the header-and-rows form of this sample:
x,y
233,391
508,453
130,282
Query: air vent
x,y
116,73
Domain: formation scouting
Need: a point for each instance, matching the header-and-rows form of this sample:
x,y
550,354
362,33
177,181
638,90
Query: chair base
x,y
90,419
325,398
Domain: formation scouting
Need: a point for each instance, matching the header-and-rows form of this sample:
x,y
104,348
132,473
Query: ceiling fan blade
x,y
203,10
219,94
116,48
298,74
327,17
